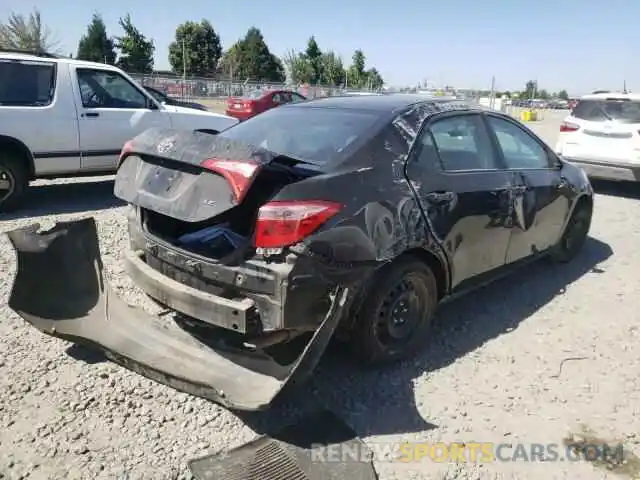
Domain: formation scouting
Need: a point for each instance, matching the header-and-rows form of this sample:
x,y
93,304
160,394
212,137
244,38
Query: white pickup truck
x,y
61,117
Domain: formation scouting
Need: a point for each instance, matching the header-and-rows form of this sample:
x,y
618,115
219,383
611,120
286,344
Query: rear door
x,y
541,195
112,111
464,192
605,130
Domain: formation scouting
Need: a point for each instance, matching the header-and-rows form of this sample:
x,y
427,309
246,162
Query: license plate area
x,y
186,278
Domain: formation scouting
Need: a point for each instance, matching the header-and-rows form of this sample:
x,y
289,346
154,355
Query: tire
x,y
15,176
574,235
377,339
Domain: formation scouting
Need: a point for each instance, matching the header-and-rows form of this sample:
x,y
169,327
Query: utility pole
x,y
492,98
184,66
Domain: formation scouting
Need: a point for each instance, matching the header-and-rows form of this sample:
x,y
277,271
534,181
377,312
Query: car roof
x,y
4,55
617,95
380,103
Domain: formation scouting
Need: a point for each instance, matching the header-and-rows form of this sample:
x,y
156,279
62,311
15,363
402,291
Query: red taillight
x,y
283,223
239,174
248,106
569,127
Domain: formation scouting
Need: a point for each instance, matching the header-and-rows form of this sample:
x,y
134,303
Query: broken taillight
x,y
284,223
239,174
569,127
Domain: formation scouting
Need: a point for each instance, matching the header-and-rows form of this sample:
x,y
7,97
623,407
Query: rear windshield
x,y
26,84
621,110
316,135
255,95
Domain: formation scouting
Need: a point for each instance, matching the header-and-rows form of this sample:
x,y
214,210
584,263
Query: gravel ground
x,y
490,373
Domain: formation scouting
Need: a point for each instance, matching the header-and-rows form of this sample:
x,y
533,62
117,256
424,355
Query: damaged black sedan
x,y
351,217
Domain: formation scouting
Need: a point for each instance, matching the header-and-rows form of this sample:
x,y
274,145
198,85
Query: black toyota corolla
x,y
347,216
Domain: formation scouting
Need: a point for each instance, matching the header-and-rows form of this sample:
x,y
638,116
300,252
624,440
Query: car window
x,y
316,135
295,98
105,89
520,150
461,142
277,98
27,84
619,109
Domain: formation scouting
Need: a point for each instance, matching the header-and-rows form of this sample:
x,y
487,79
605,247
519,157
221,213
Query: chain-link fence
x,y
210,88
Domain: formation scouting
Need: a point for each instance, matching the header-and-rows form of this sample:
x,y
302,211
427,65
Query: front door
x,y
541,196
112,110
464,192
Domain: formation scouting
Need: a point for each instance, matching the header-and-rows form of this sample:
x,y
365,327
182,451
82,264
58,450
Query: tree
x,y
313,55
332,70
27,33
356,76
230,60
255,61
200,45
136,52
529,90
95,45
297,67
374,79
563,95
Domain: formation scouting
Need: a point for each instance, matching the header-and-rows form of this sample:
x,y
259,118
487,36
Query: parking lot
x,y
528,360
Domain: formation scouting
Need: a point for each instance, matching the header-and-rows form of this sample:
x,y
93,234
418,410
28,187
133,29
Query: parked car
x,y
61,117
602,136
260,101
162,97
350,216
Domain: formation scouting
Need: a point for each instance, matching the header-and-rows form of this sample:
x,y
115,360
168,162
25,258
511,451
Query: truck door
x,y
112,110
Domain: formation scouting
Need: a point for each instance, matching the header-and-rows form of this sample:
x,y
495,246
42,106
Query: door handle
x,y
440,198
90,114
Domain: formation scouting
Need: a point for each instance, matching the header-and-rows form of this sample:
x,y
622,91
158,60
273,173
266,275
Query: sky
x,y
577,45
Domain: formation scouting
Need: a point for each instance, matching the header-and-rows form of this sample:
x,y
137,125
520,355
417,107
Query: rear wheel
x,y
14,180
397,313
574,236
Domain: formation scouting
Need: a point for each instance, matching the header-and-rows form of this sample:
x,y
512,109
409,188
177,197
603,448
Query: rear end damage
x,y
79,306
210,241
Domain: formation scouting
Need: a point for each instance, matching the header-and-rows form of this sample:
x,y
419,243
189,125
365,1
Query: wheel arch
x,y
437,266
17,147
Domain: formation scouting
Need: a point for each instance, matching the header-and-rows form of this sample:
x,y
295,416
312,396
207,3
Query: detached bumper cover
x,y
60,289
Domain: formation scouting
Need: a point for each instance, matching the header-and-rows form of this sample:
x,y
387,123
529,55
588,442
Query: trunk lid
x,y
170,172
241,104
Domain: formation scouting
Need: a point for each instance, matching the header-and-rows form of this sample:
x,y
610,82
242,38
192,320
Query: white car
x,y
62,117
602,135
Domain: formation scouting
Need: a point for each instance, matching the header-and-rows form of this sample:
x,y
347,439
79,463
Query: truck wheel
x,y
14,180
399,310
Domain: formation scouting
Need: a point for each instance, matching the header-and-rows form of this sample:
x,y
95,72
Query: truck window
x,y
27,84
106,89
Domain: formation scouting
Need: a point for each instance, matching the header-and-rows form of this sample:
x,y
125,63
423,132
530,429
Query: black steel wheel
x,y
397,312
575,234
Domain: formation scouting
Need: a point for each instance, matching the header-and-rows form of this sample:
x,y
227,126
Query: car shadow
x,y
382,401
61,198
616,189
